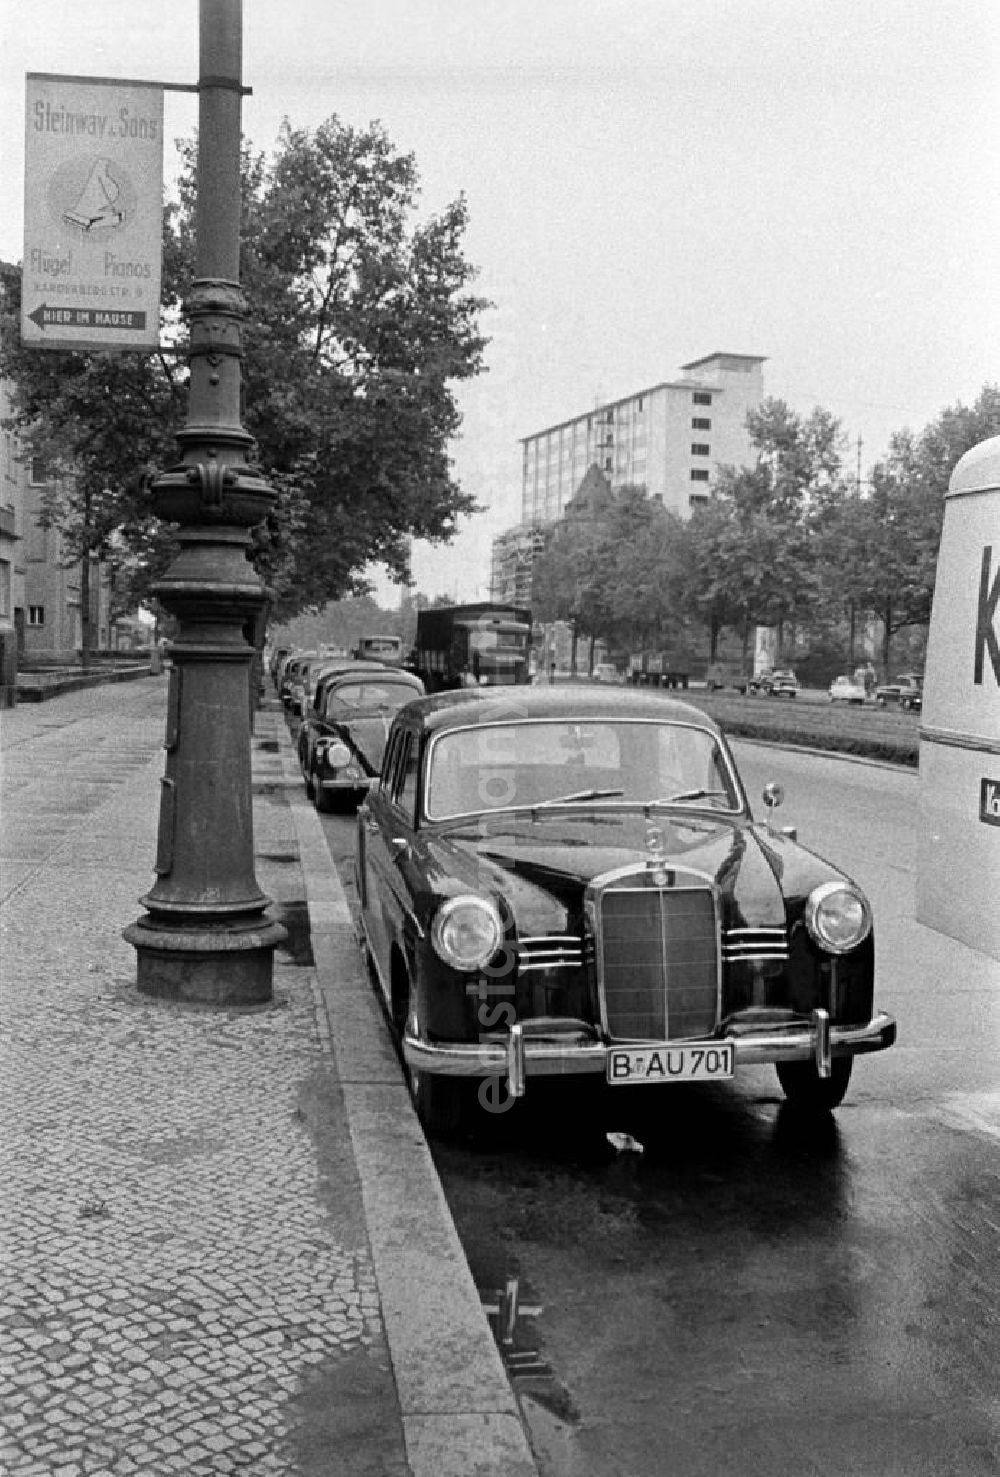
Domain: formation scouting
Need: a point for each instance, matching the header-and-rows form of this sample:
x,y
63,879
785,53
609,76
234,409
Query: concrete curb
x,y
460,1416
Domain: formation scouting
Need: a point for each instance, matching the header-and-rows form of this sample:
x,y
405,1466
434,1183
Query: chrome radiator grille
x,y
659,962
548,951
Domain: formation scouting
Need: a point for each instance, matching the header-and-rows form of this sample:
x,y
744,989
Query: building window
x,y
5,588
697,499
698,474
701,423
700,397
700,448
36,615
37,472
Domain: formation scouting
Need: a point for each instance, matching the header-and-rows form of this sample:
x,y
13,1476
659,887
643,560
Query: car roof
x,y
373,669
335,666
457,709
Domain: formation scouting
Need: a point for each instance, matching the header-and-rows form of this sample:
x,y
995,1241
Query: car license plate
x,y
690,1061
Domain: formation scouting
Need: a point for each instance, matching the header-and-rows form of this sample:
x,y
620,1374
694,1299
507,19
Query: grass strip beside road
x,y
871,733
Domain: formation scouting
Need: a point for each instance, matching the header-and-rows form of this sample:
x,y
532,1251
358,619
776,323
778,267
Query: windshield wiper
x,y
576,795
686,795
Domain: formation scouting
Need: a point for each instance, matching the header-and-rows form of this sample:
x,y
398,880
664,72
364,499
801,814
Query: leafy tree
x,y
612,566
360,323
883,547
753,552
566,580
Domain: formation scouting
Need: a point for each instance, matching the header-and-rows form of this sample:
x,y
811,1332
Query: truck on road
x,y
658,669
472,646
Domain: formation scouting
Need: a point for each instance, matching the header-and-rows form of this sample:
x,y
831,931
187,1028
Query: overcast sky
x,y
817,181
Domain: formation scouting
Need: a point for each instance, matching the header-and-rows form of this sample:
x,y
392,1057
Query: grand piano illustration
x,y
101,201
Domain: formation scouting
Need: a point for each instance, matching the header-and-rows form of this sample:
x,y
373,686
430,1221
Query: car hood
x,y
366,735
542,864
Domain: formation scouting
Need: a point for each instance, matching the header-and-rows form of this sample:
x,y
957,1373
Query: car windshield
x,y
378,695
549,763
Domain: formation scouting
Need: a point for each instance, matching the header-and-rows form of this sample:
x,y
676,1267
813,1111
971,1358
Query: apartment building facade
x,y
40,593
670,438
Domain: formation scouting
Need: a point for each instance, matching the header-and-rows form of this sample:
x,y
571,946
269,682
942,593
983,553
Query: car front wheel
x,y
806,1089
322,799
445,1105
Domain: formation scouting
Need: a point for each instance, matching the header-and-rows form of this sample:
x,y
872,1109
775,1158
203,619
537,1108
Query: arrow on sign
x,y
122,318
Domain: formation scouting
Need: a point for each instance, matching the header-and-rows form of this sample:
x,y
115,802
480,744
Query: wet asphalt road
x,y
722,1290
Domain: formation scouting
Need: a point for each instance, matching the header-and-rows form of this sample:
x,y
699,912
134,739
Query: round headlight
x,y
838,917
336,754
467,932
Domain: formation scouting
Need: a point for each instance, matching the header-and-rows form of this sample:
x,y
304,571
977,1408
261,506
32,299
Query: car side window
x,y
389,762
405,781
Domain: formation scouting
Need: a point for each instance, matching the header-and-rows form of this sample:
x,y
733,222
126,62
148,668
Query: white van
x,y
958,854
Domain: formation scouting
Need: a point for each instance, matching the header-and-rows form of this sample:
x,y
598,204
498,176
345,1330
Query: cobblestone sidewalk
x,y
187,1280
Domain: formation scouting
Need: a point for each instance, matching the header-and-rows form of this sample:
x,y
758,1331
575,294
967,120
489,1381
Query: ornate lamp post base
x,y
225,965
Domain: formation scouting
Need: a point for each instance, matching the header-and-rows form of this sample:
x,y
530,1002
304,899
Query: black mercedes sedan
x,y
570,881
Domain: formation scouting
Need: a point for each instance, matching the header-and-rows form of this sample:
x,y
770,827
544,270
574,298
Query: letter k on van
x,y
986,636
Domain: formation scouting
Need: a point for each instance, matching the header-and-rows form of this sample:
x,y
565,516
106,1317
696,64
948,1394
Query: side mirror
x,y
773,795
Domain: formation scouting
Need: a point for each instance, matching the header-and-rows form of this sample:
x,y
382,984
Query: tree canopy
x,y
362,320
613,567
790,542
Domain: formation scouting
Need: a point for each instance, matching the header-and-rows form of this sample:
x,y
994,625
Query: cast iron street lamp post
x,y
206,937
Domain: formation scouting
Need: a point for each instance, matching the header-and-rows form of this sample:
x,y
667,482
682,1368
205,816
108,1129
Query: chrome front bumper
x,y
573,1053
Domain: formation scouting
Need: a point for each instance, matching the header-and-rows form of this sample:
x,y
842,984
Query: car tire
x,y
444,1105
807,1091
322,799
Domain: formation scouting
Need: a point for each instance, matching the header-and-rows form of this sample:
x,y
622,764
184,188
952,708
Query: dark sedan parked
x,y
907,691
341,746
782,682
570,881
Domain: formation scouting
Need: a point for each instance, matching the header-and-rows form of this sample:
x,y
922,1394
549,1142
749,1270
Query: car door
x,y
385,836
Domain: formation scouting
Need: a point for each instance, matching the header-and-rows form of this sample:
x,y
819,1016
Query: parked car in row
x,y
342,740
845,689
907,691
569,881
290,682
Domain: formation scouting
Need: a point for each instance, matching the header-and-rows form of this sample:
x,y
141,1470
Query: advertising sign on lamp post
x,y
93,211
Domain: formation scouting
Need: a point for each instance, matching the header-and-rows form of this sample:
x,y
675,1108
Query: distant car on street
x,y
844,689
907,691
781,682
606,672
387,649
